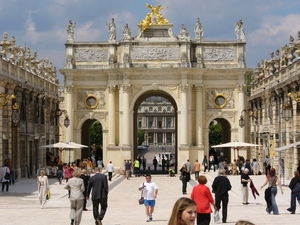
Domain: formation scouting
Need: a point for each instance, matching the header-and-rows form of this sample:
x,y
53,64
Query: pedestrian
x,y
60,171
220,186
203,198
243,222
211,163
85,177
99,184
295,192
68,175
100,164
76,187
150,191
185,177
144,162
188,165
255,167
128,169
43,187
5,180
248,165
272,181
154,162
221,160
196,169
110,169
205,163
137,167
267,165
184,212
11,171
163,163
245,179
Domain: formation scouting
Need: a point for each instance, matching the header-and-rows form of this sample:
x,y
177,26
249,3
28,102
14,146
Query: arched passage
x,y
137,103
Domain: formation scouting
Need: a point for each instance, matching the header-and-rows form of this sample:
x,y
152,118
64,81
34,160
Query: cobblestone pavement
x,y
21,206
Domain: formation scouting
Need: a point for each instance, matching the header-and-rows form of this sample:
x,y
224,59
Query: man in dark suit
x,y
85,179
220,186
99,184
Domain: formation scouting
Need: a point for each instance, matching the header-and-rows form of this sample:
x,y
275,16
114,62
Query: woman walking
x,y
76,186
203,198
43,187
184,212
272,181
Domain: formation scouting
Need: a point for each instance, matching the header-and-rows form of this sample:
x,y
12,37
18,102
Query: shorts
x,y
149,202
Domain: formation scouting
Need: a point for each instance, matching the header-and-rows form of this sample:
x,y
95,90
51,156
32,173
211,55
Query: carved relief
x,y
226,93
167,54
91,55
98,95
219,54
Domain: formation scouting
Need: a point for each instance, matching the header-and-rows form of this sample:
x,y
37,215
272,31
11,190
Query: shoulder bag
x,y
141,199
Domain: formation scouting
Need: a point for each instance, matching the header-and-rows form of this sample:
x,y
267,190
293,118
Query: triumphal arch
x,y
107,81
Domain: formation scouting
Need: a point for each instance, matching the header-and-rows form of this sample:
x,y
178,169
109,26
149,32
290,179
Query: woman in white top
x,y
43,187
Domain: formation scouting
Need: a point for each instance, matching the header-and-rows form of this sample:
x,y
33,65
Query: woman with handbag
x,y
43,187
272,181
185,177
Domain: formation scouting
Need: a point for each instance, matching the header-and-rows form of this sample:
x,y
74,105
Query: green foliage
x,y
97,138
215,133
140,136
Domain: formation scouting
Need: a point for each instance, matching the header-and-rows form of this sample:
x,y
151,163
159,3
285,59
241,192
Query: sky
x,y
41,24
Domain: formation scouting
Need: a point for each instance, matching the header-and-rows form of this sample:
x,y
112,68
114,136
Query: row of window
x,y
153,109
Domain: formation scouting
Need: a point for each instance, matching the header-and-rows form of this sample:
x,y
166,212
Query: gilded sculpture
x,y
153,18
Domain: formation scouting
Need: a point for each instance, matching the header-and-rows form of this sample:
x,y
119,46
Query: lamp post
x,y
287,110
59,112
15,114
250,113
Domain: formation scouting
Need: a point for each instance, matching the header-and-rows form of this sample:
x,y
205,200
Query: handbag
x,y
180,177
216,216
48,196
7,175
141,199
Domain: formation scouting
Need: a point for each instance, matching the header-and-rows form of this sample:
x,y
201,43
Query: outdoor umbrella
x,y
59,145
76,144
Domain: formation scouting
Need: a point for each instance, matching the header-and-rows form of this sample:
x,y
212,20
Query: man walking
x,y
295,191
150,191
99,184
267,164
245,179
220,186
85,179
197,169
110,170
189,166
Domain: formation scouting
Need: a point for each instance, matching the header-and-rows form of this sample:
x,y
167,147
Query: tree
x,y
97,138
215,133
140,136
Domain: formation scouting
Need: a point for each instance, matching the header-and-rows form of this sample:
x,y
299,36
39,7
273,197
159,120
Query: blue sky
x,y
41,24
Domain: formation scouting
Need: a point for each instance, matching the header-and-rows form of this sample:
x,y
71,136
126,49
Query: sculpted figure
x,y
13,50
112,30
153,17
198,31
21,57
70,30
34,63
239,30
5,45
184,34
284,59
126,36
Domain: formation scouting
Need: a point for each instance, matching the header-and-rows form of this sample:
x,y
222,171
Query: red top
x,y
203,198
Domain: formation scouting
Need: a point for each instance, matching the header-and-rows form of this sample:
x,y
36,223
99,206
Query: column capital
x,y
69,88
111,89
126,88
183,88
199,87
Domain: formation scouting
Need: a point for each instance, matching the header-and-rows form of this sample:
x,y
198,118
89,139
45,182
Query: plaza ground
x,y
21,206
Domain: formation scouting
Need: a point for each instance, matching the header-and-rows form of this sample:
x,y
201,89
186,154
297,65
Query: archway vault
x,y
142,96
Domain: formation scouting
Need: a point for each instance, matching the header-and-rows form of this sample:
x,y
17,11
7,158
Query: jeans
x,y
294,196
5,183
12,177
196,175
184,184
59,175
274,207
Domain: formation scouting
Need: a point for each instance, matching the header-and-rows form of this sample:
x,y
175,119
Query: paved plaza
x,y
21,205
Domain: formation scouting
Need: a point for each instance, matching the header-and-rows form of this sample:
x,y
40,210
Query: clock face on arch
x,y
91,101
220,101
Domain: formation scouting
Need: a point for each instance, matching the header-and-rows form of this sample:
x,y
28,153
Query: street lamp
x,y
295,95
251,113
287,110
59,112
15,114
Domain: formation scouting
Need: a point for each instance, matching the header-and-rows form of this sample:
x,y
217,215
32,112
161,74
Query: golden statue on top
x,y
153,18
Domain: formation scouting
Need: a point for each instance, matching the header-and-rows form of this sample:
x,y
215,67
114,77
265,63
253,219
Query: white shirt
x,y
149,190
110,167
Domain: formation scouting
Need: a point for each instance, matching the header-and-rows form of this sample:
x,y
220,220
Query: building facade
x,y
28,100
156,119
108,81
274,108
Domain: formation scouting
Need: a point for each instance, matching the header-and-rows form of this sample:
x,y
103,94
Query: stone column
x,y
111,115
69,129
125,119
183,116
199,115
241,105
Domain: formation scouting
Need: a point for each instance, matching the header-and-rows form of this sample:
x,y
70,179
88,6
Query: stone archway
x,y
137,103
